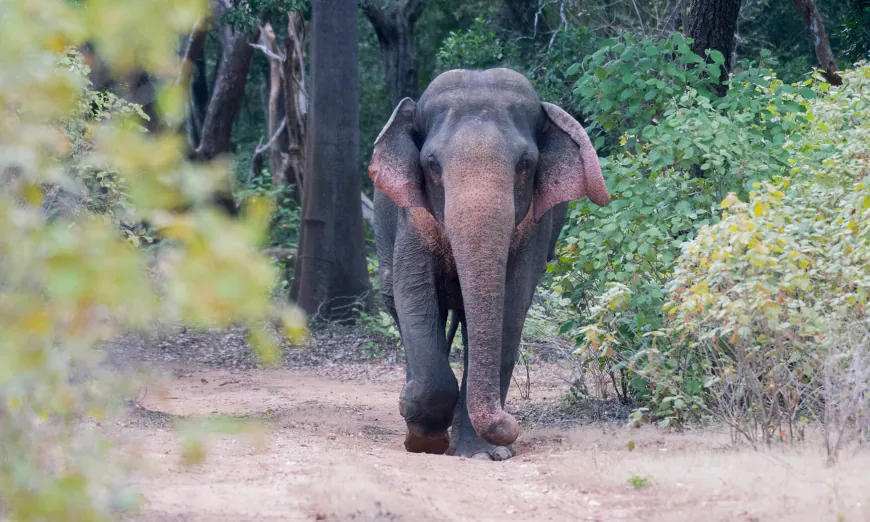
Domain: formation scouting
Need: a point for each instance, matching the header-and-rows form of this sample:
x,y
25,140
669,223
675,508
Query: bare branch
x,y
263,148
267,52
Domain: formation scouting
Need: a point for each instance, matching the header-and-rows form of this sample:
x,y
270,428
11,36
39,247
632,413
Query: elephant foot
x,y
496,453
477,449
417,441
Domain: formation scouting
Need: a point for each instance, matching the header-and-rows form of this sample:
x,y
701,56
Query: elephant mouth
x,y
523,230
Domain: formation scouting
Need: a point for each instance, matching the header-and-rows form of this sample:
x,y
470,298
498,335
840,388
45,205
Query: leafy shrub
x,y
478,47
284,227
552,74
71,278
679,150
625,85
767,303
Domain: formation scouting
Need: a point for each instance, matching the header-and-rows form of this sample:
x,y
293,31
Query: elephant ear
x,y
568,166
395,166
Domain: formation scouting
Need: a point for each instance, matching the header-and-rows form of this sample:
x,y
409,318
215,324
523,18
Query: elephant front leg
x,y
429,397
523,273
464,441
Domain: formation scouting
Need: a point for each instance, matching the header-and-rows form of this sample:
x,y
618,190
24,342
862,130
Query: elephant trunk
x,y
480,222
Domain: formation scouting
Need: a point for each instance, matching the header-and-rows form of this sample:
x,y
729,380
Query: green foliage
x,y
479,47
626,85
284,226
249,14
551,72
70,279
678,150
638,482
383,327
856,31
761,299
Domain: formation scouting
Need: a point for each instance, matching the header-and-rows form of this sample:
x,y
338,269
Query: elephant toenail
x,y
502,453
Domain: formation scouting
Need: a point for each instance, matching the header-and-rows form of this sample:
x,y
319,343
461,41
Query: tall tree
x,y
198,90
816,25
229,83
712,24
285,102
331,276
393,21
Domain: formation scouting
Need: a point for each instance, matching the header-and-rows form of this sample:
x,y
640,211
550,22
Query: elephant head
x,y
481,153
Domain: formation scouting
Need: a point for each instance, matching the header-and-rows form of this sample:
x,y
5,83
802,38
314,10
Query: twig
x,y
263,148
267,52
639,17
563,22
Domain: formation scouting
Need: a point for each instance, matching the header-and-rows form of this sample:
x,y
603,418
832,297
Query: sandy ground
x,y
330,448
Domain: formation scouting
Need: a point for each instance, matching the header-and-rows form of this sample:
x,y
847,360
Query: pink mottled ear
x,y
568,167
395,165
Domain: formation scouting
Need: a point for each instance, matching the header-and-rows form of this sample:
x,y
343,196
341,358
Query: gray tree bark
x,y
295,100
711,24
393,21
331,276
228,89
816,25
195,73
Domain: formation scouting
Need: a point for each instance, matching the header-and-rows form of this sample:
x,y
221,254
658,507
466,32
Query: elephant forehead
x,y
479,92
491,79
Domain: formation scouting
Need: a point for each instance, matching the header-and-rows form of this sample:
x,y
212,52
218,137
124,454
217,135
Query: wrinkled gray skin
x,y
472,184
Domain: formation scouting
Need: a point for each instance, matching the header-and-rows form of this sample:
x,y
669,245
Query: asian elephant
x,y
472,184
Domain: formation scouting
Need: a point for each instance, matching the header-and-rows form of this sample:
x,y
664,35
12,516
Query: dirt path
x,y
334,452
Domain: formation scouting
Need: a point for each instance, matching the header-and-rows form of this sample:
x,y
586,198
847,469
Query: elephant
x,y
472,184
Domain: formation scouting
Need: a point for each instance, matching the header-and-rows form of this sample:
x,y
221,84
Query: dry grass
x,y
700,476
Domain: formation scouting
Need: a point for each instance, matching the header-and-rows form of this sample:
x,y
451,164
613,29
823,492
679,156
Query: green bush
x,y
676,150
478,47
769,300
76,171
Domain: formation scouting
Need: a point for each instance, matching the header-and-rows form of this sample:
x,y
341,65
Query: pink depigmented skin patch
x,y
394,169
567,173
434,236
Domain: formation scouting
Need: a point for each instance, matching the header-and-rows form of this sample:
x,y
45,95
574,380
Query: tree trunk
x,y
142,91
274,112
295,99
228,90
824,55
711,24
195,73
285,103
393,21
331,276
